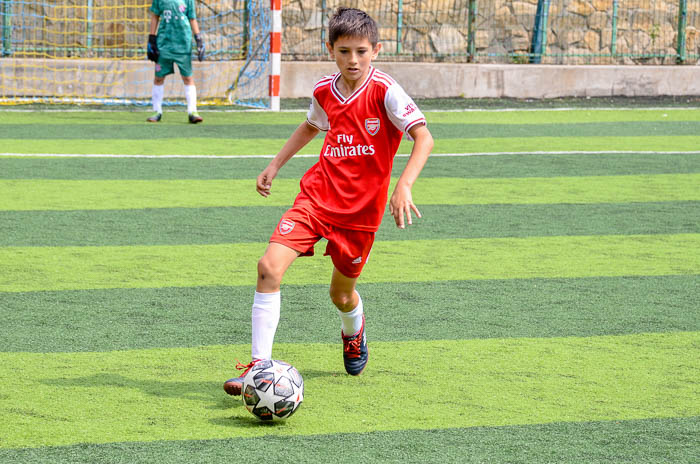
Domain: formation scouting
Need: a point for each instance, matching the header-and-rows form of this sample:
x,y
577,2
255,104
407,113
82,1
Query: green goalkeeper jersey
x,y
174,30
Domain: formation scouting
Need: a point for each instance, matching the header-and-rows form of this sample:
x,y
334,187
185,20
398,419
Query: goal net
x,y
93,51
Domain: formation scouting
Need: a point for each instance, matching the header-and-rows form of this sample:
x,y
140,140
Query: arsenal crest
x,y
372,125
286,226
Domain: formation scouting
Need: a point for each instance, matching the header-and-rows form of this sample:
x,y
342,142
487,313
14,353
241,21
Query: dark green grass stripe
x,y
633,441
467,167
178,118
104,320
170,226
283,131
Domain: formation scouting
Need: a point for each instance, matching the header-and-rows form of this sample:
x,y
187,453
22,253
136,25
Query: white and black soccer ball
x,y
272,390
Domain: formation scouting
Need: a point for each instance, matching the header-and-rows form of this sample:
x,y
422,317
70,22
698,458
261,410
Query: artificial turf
x,y
26,195
539,165
542,310
647,441
174,393
171,226
73,268
121,319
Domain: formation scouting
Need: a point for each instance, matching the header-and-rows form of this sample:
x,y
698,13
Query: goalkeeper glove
x,y
200,46
152,50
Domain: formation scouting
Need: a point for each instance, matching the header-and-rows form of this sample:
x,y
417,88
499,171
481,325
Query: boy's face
x,y
353,55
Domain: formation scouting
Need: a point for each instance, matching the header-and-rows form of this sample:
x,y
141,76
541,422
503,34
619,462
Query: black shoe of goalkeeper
x,y
195,118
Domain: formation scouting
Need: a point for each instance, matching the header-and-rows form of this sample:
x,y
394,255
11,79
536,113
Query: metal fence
x,y
479,31
500,31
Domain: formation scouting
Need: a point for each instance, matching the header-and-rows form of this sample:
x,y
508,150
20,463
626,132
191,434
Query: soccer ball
x,y
272,390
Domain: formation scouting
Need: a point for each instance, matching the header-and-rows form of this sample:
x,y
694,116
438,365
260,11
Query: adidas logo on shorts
x,y
357,260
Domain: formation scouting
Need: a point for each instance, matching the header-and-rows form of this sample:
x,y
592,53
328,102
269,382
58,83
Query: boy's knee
x,y
269,272
344,301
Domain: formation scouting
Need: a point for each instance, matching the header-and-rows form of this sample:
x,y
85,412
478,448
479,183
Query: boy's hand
x,y
264,182
402,203
200,46
152,49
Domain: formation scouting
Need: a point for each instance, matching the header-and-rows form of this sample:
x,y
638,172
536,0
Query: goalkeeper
x,y
174,21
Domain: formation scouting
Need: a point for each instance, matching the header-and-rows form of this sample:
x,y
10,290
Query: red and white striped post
x,y
275,54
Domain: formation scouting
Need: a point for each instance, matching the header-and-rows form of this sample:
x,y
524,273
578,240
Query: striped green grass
x,y
540,165
542,116
172,226
219,147
246,131
72,268
23,195
632,441
227,133
542,310
145,396
122,319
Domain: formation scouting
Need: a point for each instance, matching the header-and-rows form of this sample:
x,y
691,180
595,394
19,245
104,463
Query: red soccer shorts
x,y
300,230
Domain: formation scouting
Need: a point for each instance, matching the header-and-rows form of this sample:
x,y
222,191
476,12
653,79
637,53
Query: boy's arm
x,y
301,136
154,24
198,39
195,26
152,51
401,201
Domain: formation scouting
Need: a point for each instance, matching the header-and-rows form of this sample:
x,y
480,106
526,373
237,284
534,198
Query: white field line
x,y
301,110
434,155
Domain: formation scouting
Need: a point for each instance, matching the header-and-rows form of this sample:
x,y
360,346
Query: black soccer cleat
x,y
195,118
355,351
155,118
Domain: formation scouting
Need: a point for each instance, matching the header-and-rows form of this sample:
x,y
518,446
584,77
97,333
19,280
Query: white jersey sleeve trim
x,y
401,109
316,116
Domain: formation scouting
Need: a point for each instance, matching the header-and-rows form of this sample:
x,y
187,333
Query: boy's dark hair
x,y
351,22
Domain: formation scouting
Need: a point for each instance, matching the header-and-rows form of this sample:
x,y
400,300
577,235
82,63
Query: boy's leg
x,y
157,98
351,312
350,250
185,67
266,304
347,300
266,307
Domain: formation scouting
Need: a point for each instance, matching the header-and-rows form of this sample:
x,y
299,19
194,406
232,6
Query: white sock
x,y
265,316
191,97
352,321
157,98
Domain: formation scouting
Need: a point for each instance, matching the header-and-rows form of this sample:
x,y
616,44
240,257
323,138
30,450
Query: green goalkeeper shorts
x,y
166,66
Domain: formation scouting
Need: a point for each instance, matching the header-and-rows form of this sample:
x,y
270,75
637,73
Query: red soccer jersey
x,y
348,186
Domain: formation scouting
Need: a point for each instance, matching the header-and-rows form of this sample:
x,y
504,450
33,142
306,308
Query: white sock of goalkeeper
x,y
351,322
265,317
157,98
191,97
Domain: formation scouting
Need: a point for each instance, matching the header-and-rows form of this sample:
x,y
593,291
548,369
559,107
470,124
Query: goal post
x,y
93,51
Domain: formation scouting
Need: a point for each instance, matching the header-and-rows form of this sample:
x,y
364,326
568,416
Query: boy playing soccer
x,y
173,44
365,114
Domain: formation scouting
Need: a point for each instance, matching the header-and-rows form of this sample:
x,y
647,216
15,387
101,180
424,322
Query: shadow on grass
x,y
246,421
203,391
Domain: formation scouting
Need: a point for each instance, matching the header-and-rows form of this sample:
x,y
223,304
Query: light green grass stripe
x,y
561,117
541,116
49,194
175,394
217,147
74,268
